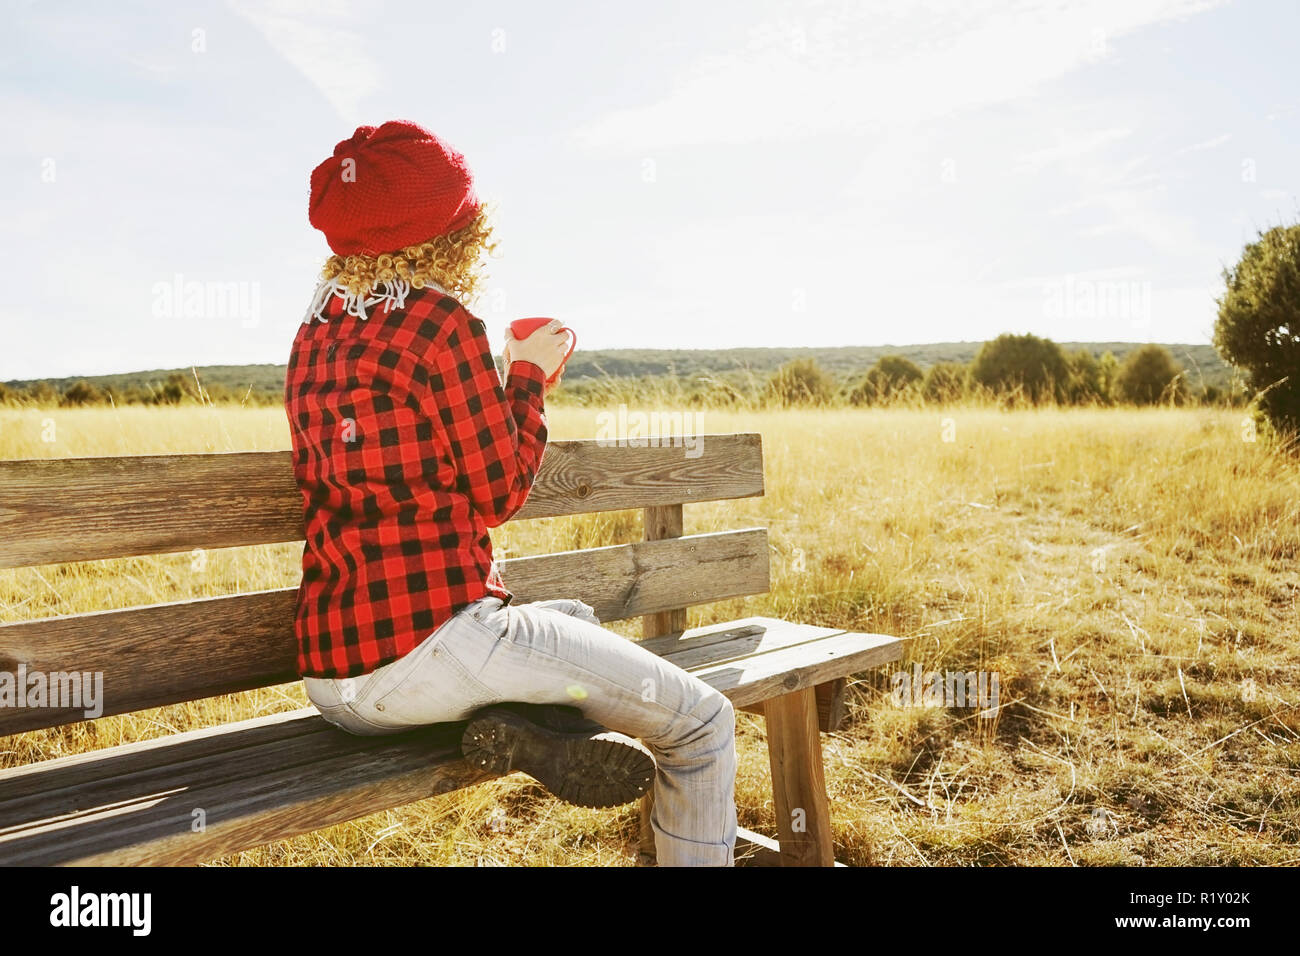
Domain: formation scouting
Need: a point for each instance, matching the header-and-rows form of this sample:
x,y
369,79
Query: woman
x,y
407,449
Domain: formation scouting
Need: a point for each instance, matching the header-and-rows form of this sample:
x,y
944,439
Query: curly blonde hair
x,y
454,261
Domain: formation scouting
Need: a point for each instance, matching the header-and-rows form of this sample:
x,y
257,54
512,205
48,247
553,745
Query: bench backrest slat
x,y
84,509
169,653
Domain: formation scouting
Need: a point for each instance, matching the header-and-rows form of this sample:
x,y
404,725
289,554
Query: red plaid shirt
x,y
407,448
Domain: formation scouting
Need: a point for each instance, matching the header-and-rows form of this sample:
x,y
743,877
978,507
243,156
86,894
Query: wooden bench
x,y
270,778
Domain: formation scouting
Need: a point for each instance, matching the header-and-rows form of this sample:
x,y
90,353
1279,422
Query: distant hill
x,y
844,362
239,378
847,361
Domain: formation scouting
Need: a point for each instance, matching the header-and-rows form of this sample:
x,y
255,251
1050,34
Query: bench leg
x,y
831,705
798,780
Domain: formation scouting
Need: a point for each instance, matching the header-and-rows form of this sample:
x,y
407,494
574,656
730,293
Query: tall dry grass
x,y
1132,577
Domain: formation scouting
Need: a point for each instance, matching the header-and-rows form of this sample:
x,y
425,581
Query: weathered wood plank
x,y
832,705
802,666
76,770
168,653
158,829
155,655
67,794
745,641
82,509
794,747
661,522
749,633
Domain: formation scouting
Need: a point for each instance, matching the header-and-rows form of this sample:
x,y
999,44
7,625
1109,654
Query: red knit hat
x,y
389,187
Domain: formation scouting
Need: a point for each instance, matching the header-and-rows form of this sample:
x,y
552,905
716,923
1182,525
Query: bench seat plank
x,y
783,669
271,778
281,801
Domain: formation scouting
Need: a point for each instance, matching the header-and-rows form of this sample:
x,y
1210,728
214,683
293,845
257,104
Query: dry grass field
x,y
1133,577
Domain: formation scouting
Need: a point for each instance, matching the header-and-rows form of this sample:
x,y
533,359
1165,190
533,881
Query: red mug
x,y
522,328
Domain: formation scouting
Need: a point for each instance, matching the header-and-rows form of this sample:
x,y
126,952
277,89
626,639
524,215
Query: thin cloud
x,y
1068,149
1207,144
840,75
323,42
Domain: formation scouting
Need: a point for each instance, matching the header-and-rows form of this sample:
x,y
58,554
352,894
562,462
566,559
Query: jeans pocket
x,y
338,711
436,687
491,614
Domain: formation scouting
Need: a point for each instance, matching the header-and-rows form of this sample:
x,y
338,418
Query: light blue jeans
x,y
556,652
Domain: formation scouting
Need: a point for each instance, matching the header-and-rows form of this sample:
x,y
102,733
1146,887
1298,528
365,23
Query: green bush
x,y
1025,363
1085,385
1149,375
82,392
800,382
1258,329
42,394
1108,372
890,377
945,382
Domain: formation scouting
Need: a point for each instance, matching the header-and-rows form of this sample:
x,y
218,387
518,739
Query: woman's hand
x,y
549,386
545,348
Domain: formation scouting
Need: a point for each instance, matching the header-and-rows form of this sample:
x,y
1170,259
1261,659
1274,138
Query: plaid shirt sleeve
x,y
496,433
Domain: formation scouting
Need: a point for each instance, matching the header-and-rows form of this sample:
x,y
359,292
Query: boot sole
x,y
597,770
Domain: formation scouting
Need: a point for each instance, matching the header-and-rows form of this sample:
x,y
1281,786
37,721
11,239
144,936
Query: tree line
x,y
1022,368
176,389
1257,333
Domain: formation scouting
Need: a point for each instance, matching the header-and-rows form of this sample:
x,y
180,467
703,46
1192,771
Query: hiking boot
x,y
561,717
576,759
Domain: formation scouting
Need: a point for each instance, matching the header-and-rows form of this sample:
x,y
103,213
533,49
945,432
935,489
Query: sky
x,y
662,175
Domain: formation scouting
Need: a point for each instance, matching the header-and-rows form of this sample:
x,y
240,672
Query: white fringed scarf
x,y
391,294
